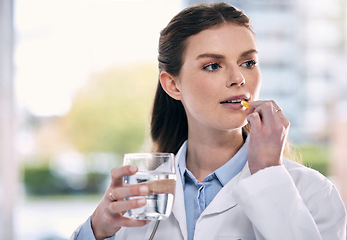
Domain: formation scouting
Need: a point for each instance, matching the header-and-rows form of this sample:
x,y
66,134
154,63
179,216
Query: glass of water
x,y
157,171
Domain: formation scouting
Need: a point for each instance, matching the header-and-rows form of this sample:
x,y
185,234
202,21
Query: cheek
x,y
194,96
196,87
254,85
197,97
257,90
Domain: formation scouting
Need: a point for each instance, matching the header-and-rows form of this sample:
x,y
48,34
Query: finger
x,y
269,112
268,105
125,205
253,105
117,174
129,191
265,111
276,109
128,222
279,114
282,118
254,120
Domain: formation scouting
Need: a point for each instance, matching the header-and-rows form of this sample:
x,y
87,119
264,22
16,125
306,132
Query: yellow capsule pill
x,y
245,104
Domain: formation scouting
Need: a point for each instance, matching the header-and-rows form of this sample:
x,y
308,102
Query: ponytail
x,y
169,125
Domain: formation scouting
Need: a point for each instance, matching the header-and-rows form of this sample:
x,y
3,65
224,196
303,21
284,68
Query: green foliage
x,y
111,113
39,180
43,181
316,156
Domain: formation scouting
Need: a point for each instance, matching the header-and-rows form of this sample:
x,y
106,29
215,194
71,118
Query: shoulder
x,y
307,180
300,172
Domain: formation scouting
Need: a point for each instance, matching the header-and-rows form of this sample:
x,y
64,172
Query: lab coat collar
x,y
224,199
178,209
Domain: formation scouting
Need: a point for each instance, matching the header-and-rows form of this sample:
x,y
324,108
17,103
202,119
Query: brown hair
x,y
169,126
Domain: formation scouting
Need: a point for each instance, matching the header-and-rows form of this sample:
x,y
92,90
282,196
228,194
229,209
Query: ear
x,y
170,85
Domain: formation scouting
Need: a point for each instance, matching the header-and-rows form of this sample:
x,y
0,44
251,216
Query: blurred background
x,y
77,79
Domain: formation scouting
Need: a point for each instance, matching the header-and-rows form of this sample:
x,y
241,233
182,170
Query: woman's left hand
x,y
269,129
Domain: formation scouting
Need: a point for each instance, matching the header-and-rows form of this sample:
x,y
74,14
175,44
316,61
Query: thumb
x,y
254,120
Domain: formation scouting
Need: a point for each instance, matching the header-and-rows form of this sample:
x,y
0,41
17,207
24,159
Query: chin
x,y
236,123
233,127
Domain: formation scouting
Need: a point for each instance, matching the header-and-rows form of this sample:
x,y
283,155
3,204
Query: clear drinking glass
x,y
157,171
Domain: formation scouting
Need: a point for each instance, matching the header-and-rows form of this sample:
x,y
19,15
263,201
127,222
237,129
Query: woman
x,y
232,183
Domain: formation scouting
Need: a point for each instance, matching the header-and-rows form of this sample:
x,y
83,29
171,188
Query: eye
x,y
211,67
249,64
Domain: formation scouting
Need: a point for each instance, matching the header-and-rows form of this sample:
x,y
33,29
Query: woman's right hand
x,y
269,130
108,217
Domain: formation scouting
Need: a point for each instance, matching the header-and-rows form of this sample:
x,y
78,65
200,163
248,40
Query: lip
x,y
234,105
236,97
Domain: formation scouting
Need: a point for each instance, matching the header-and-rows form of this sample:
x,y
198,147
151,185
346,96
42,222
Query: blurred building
x,y
302,58
8,165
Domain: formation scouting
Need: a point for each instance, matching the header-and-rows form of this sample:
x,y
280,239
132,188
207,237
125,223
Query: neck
x,y
208,152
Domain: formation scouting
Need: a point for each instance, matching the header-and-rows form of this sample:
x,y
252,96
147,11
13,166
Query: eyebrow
x,y
219,56
210,55
249,52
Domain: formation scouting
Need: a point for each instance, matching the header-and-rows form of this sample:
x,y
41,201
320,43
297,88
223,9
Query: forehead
x,y
227,39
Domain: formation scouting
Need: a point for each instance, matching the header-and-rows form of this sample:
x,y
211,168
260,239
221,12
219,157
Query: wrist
x,y
254,168
98,233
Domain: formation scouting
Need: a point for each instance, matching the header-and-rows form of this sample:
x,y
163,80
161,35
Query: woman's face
x,y
219,70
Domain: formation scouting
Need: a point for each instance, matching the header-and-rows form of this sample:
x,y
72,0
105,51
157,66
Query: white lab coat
x,y
287,202
277,203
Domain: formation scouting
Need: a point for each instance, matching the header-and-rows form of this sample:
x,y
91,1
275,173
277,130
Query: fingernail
x,y
141,201
143,189
133,168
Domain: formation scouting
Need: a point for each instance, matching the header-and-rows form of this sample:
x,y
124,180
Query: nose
x,y
235,77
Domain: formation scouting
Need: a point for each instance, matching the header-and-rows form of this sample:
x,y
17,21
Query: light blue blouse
x,y
197,195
